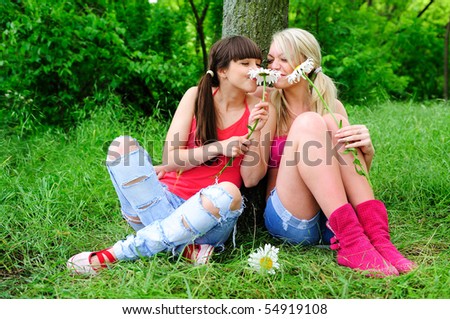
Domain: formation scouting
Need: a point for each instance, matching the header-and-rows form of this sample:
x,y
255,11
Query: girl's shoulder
x,y
190,94
188,99
339,108
192,91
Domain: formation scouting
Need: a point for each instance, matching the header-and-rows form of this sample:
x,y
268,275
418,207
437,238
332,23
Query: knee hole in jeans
x,y
120,146
185,224
234,192
209,206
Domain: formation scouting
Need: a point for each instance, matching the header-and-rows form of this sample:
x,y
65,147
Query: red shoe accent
x,y
80,264
198,254
101,254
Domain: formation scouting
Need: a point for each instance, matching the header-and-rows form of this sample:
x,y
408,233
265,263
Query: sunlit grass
x,y
56,199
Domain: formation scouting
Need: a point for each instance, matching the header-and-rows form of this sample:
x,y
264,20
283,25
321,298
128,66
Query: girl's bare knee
x,y
234,191
331,123
308,122
120,146
209,206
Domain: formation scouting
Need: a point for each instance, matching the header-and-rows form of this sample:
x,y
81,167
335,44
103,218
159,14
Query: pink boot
x,y
373,217
354,249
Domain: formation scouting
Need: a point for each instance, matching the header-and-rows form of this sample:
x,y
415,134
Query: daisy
x,y
301,71
265,259
264,76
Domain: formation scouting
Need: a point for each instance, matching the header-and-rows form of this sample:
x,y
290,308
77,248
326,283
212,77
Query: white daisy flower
x,y
264,75
265,259
301,71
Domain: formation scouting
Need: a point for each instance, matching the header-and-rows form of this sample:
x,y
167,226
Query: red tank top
x,y
190,182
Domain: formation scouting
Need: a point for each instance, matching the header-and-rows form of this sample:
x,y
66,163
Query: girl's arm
x,y
177,157
255,162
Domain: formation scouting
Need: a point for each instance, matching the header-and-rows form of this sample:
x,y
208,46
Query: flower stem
x,y
324,103
358,166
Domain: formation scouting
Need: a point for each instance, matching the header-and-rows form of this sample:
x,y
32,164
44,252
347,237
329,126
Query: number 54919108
x,y
295,309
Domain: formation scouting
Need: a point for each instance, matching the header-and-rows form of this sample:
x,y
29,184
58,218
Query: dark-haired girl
x,y
187,204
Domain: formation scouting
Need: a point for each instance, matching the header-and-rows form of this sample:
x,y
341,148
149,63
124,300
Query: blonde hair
x,y
298,45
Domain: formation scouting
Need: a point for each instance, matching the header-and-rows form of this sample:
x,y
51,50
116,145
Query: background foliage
x,y
380,51
61,58
60,53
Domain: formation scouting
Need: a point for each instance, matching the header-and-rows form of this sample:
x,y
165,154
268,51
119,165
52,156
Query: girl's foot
x,y
89,263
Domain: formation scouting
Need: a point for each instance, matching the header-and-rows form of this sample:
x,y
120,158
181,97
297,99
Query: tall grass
x,y
56,199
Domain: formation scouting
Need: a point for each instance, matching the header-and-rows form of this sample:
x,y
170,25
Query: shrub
x,y
59,53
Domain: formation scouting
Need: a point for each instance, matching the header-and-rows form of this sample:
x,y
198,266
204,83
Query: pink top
x,y
276,151
191,181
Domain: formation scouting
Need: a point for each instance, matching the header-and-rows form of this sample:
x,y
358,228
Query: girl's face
x,y
237,74
277,60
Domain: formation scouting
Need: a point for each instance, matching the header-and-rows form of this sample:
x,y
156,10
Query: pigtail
x,y
204,111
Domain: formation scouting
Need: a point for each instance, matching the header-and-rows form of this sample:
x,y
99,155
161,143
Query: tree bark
x,y
256,19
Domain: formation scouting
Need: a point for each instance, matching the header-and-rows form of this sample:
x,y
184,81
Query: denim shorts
x,y
150,200
282,224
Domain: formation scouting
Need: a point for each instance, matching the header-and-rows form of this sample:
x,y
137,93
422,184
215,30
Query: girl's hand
x,y
234,146
160,171
259,112
356,136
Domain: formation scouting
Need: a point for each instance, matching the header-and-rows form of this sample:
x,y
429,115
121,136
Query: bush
x,y
377,52
59,54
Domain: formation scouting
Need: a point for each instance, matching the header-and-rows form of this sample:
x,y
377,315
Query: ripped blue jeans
x,y
282,224
164,215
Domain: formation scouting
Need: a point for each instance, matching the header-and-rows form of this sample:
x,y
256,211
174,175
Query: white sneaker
x,y
198,254
80,264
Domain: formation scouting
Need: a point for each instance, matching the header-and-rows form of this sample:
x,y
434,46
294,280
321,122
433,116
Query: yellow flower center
x,y
266,263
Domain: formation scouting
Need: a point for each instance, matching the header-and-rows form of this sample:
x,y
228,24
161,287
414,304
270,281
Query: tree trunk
x,y
256,19
446,44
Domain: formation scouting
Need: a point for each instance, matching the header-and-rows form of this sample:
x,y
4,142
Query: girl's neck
x,y
229,100
298,100
230,106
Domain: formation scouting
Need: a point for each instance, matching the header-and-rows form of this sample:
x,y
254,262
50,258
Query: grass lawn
x,y
56,200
